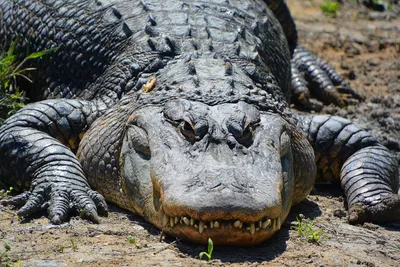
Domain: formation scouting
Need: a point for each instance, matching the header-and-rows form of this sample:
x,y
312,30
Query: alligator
x,y
178,111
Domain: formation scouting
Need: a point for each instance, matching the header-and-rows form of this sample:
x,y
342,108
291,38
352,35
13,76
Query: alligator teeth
x,y
191,221
196,226
259,224
201,227
266,223
278,223
252,228
186,220
216,224
165,220
176,220
211,224
236,224
171,221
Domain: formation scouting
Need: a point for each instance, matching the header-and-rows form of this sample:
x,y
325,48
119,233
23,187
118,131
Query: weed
x,y
4,260
11,97
131,240
210,249
74,245
330,7
4,193
305,228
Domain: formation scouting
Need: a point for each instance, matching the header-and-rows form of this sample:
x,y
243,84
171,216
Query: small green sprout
x,y
330,7
74,245
210,250
131,240
305,228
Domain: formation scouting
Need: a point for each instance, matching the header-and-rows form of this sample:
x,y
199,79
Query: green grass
x,y
131,240
5,193
306,229
74,245
209,252
330,7
12,98
4,260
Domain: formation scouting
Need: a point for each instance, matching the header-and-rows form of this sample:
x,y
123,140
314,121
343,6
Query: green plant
x,y
4,260
4,193
305,228
131,240
74,245
11,97
209,252
330,7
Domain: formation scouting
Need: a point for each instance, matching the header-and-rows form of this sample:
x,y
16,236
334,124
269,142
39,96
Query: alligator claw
x,y
17,201
388,209
312,73
59,203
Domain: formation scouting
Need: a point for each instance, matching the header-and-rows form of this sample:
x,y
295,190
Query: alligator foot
x,y
311,72
388,209
59,203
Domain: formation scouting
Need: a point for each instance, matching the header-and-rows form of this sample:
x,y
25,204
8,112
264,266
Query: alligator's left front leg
x,y
368,172
308,71
35,153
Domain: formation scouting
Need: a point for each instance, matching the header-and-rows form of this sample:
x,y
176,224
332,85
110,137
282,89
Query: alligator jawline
x,y
266,224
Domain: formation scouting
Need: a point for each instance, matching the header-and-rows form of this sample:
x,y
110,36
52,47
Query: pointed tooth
x,y
257,229
186,220
241,225
236,224
176,220
196,226
216,224
278,223
252,228
259,224
171,221
211,224
201,227
191,221
266,223
165,220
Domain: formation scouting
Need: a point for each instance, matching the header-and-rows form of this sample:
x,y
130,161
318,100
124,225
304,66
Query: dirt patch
x,y
363,45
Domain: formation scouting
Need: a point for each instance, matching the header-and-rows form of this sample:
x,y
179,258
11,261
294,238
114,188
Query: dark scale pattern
x,y
334,140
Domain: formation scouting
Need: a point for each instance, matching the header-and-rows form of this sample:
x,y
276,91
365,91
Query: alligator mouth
x,y
222,232
266,224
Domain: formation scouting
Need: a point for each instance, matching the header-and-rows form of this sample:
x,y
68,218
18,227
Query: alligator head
x,y
199,171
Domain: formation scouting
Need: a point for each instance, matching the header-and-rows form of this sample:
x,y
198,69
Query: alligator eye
x,y
193,132
243,136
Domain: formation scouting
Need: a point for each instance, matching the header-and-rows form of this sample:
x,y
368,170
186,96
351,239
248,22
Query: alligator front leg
x,y
33,154
368,172
310,72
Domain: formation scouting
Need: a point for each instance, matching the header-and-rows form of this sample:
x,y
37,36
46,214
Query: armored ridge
x,y
179,112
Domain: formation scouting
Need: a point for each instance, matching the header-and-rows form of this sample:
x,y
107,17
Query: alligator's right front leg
x,y
32,155
368,172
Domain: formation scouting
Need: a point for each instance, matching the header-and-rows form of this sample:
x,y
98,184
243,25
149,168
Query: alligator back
x,y
106,48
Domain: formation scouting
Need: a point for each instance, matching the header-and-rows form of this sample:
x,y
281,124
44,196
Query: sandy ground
x,y
363,45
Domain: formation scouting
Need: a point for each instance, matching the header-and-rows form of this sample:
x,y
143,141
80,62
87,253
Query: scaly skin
x,y
178,111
